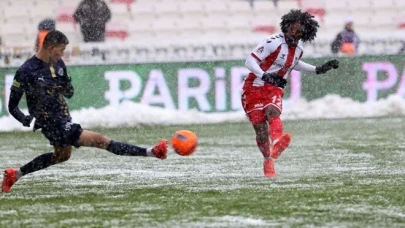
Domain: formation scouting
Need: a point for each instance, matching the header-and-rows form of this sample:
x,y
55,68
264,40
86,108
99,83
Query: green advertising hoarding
x,y
216,86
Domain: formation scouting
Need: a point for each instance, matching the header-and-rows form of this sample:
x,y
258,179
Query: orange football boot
x,y
160,149
268,168
279,145
10,177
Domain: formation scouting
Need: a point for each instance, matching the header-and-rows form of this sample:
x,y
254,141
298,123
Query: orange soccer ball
x,y
184,142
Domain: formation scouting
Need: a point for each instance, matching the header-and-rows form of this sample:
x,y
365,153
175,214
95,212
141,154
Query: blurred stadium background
x,y
179,30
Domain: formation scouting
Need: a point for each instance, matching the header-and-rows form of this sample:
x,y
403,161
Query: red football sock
x,y
276,128
264,147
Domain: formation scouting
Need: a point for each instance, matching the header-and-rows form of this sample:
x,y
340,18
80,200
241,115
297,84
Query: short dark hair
x,y
304,18
55,37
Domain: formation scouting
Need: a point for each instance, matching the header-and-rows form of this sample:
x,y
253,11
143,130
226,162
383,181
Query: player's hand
x,y
274,79
327,66
27,121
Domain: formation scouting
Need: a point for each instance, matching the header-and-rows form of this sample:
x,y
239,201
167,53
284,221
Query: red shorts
x,y
255,99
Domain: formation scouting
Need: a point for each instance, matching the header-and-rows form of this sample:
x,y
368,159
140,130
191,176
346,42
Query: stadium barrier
x,y
216,86
181,51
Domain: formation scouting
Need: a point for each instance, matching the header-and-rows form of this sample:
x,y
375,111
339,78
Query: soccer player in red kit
x,y
270,64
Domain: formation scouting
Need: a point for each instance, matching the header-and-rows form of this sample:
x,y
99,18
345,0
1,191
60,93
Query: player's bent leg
x,y
43,161
276,127
263,143
280,141
273,117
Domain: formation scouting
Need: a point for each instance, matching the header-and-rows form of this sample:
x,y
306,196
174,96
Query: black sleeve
x,y
17,92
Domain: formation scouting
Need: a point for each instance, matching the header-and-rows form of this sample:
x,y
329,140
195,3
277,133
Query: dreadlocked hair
x,y
304,18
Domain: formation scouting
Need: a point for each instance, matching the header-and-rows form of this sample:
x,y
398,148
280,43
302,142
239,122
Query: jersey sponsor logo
x,y
16,84
278,65
282,67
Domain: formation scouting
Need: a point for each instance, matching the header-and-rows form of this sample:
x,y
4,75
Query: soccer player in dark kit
x,y
44,80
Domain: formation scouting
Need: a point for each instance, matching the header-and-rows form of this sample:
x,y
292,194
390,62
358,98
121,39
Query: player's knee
x,y
62,157
272,112
62,154
65,157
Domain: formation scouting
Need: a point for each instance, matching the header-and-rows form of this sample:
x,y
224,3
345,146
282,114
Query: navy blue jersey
x,y
45,86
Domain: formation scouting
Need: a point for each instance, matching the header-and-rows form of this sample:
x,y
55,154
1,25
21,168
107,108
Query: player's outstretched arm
x,y
303,66
15,97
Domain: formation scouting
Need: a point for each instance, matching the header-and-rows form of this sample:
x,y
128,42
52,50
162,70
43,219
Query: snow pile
x,y
131,114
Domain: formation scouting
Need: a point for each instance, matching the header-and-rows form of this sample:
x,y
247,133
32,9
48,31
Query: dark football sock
x,y
41,162
125,149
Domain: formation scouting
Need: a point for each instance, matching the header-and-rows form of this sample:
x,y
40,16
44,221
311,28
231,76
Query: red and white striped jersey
x,y
274,55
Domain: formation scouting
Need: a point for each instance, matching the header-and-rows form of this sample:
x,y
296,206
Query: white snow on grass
x,y
226,221
308,164
132,114
220,172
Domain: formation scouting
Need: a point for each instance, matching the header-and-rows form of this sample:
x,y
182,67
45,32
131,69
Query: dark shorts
x,y
63,133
